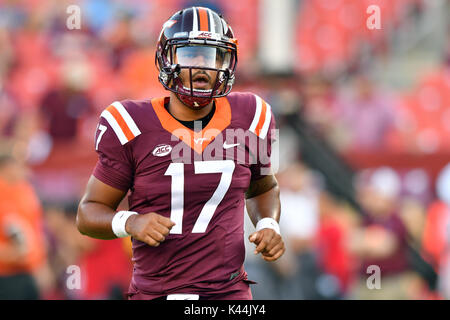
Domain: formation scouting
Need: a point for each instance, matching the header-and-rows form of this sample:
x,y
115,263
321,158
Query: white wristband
x,y
268,223
119,221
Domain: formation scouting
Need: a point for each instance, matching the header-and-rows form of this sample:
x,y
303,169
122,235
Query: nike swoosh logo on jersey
x,y
228,146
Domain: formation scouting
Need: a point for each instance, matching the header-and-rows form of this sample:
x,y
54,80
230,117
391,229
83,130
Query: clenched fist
x,y
150,228
268,243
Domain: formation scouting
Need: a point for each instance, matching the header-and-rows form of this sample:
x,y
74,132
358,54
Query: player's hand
x,y
150,228
268,243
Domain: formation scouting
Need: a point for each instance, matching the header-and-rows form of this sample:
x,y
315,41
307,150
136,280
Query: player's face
x,y
201,56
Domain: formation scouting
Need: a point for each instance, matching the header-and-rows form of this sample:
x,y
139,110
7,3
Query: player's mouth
x,y
201,81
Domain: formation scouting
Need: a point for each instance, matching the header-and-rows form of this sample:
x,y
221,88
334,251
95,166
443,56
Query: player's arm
x,y
263,201
263,194
109,183
98,208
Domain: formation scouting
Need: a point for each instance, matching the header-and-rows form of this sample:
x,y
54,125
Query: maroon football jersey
x,y
197,178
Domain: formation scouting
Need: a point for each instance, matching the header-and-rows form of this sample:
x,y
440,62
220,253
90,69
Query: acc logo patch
x,y
162,150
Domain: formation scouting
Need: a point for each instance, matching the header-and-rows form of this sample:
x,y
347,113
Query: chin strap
x,y
193,102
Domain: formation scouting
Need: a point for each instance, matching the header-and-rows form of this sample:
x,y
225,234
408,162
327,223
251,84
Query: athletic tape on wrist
x,y
268,223
119,221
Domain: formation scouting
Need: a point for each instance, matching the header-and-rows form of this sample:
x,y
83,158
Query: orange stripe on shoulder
x,y
121,122
262,118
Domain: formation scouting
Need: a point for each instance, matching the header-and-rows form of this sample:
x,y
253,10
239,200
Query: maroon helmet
x,y
196,39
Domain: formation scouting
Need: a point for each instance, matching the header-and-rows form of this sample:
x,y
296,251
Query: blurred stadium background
x,y
363,114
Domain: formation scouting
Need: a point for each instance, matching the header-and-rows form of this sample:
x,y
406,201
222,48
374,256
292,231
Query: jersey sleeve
x,y
115,130
263,126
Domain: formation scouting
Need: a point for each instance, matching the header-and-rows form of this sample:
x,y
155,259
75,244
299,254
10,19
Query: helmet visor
x,y
203,56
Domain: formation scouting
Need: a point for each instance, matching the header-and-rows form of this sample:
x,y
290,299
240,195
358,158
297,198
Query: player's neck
x,y
184,113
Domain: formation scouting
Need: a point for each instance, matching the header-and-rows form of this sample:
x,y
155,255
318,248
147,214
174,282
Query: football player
x,y
191,162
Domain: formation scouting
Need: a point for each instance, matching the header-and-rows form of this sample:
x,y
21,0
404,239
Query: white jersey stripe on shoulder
x,y
115,126
257,114
195,19
127,118
266,124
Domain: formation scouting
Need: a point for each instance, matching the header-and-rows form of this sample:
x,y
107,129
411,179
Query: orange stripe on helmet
x,y
204,23
121,122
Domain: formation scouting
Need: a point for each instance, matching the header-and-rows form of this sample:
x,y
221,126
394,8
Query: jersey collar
x,y
197,141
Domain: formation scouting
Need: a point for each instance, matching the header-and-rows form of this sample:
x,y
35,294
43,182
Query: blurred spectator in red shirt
x,y
104,267
106,270
63,107
332,244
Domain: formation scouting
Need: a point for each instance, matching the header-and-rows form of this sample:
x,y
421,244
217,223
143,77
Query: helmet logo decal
x,y
204,34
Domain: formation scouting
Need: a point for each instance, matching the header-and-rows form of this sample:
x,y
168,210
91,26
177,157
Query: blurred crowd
x,y
55,82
